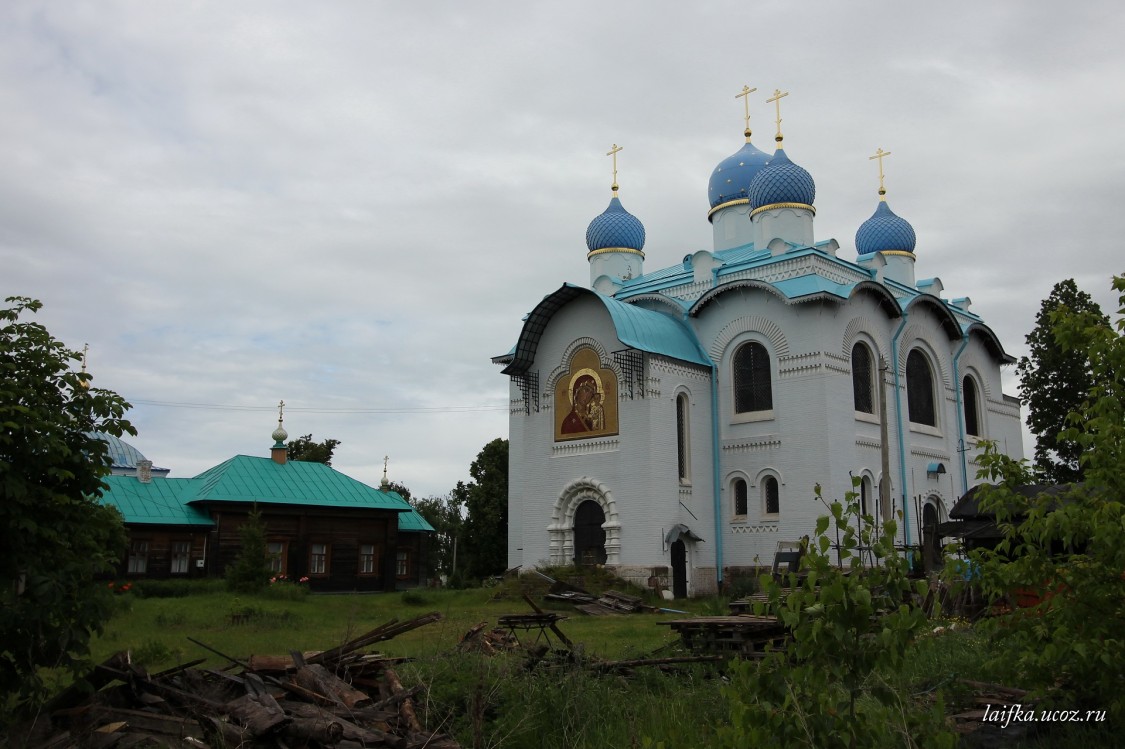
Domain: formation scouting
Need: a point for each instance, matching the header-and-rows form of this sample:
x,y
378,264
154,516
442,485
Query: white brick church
x,y
680,418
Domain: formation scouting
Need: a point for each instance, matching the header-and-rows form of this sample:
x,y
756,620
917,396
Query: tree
x,y
444,514
250,571
486,499
851,625
1067,550
55,535
304,449
1053,383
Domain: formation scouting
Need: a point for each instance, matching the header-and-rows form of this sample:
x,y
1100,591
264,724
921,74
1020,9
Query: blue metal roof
x,y
636,327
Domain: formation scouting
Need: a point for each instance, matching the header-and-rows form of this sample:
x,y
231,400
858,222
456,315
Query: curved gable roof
x,y
636,327
948,322
991,342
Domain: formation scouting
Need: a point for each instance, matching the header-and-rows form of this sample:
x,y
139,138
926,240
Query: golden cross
x,y
745,96
879,154
85,354
613,152
776,100
280,412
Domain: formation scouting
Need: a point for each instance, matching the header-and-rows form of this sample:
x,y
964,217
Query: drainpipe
x,y
715,470
901,436
961,413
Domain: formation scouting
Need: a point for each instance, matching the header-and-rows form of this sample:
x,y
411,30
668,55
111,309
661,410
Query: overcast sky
x,y
351,205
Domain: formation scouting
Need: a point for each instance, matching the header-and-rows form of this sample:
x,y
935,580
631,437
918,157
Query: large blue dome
x,y
732,177
884,232
616,227
781,181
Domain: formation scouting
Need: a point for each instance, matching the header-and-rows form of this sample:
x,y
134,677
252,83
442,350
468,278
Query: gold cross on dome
x,y
879,154
776,101
745,96
613,152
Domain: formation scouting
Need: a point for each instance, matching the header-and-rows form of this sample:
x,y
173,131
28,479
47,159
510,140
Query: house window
x,y
771,496
275,552
920,389
368,559
683,455
181,554
972,412
741,501
402,563
863,371
864,494
318,559
138,557
752,388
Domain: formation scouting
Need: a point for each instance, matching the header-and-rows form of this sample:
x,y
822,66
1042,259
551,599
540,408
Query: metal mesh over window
x,y
771,495
972,415
741,503
632,365
920,389
862,379
682,435
752,388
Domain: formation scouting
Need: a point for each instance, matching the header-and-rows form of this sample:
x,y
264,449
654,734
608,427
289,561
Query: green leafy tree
x,y
486,501
1067,550
1054,381
250,572
850,625
444,514
55,536
304,449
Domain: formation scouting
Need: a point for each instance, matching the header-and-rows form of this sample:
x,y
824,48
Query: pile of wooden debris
x,y
340,698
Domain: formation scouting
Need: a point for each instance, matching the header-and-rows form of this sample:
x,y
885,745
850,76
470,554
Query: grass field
x,y
500,701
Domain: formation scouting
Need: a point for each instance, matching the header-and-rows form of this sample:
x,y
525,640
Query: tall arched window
x,y
972,405
771,496
920,389
863,379
741,497
752,388
683,454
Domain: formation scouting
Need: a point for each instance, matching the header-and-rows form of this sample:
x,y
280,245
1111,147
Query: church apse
x,y
585,399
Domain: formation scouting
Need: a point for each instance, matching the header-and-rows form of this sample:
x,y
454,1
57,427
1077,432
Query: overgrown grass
x,y
501,701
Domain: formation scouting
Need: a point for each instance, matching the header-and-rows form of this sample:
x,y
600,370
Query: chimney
x,y
144,471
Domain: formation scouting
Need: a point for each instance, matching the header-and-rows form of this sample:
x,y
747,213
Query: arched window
x,y
972,405
863,379
752,388
741,501
771,496
864,494
920,389
683,454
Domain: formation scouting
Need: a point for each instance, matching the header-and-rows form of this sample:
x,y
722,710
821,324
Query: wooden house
x,y
337,532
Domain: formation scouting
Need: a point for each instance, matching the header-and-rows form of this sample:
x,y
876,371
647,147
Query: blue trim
x,y
961,414
716,491
901,435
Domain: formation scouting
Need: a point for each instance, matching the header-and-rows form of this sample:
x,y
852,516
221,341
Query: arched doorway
x,y
679,568
589,536
931,542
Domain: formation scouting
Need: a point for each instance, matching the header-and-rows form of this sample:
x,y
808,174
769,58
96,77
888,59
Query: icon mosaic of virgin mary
x,y
586,411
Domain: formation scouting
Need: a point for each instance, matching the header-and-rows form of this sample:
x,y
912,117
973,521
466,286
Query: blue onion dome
x,y
615,228
781,181
121,453
885,232
732,177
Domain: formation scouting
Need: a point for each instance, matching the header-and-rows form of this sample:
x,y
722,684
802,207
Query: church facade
x,y
675,422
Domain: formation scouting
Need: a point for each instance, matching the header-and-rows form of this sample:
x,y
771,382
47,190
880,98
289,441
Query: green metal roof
x,y
156,503
248,479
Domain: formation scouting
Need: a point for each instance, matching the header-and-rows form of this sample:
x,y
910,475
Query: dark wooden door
x,y
589,536
931,544
679,569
